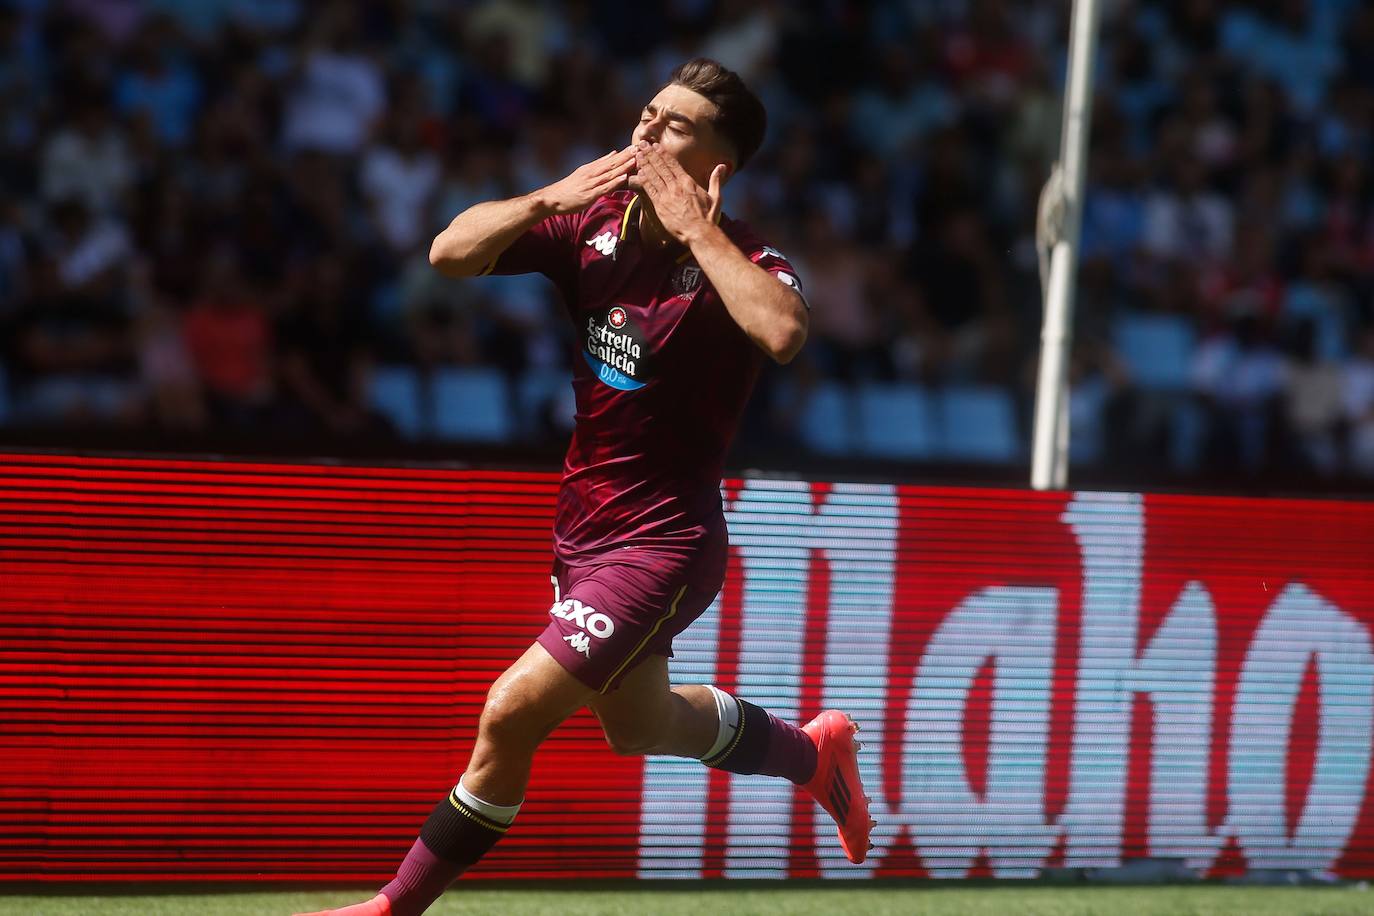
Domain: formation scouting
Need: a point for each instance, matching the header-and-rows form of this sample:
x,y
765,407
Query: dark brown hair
x,y
740,117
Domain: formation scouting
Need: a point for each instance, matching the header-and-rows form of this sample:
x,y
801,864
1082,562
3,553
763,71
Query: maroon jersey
x,y
661,377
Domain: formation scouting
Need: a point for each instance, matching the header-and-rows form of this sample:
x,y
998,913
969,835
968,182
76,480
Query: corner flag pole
x,y
1057,230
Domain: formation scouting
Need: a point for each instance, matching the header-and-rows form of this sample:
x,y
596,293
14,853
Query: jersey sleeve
x,y
549,247
773,261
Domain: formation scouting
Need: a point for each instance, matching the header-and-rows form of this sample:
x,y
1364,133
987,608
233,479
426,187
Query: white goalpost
x,y
1058,224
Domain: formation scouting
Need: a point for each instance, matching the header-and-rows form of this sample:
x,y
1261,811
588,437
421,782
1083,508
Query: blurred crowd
x,y
215,214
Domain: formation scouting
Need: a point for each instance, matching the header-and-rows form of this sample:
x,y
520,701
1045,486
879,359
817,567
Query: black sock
x,y
452,840
766,745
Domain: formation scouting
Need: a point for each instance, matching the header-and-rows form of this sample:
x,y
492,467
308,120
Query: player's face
x,y
679,121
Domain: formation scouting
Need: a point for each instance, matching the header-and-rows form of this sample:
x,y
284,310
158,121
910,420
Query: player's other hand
x,y
581,189
681,205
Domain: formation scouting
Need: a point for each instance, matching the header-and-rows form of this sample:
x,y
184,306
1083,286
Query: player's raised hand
x,y
581,189
681,204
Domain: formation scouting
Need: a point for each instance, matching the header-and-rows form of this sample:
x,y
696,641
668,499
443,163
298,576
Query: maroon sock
x,y
419,881
451,841
767,746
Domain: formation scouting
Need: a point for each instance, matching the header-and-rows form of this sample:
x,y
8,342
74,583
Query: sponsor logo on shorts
x,y
586,618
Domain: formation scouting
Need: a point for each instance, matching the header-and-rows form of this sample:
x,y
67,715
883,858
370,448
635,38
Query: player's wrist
x,y
698,231
542,204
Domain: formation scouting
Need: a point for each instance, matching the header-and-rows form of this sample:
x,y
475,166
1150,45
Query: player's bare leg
x,y
645,715
648,716
526,703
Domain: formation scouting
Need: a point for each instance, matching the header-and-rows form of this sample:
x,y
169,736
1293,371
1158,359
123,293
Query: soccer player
x,y
675,308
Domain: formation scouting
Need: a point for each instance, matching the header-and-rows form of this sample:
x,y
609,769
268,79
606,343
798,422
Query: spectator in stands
x,y
15,253
338,92
72,339
1317,298
891,117
1240,375
1357,395
167,374
1229,176
1185,220
848,337
325,357
1312,401
399,176
157,85
88,159
963,289
230,338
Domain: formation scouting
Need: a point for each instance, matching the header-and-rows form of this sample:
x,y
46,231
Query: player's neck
x,y
650,229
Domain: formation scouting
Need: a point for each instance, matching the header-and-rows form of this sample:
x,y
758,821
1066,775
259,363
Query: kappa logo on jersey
x,y
604,243
616,349
587,618
789,280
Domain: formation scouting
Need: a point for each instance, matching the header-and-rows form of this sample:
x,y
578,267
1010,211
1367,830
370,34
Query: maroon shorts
x,y
610,614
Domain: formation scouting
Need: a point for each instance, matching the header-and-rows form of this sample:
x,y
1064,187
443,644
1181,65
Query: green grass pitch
x,y
779,900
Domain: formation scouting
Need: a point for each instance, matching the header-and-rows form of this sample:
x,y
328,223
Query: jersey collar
x,y
626,222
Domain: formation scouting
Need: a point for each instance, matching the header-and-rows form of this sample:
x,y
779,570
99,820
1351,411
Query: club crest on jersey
x,y
616,349
686,279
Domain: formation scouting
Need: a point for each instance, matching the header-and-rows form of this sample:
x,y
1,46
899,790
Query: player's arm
x,y
479,234
773,314
770,312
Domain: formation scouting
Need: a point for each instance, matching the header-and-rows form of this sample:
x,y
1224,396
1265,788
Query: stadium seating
x,y
1087,428
895,421
472,405
827,420
538,392
977,423
1187,436
394,392
1157,349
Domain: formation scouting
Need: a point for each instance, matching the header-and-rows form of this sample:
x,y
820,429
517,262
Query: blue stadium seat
x,y
538,391
1187,436
827,420
472,405
1087,427
1158,349
895,421
394,392
978,423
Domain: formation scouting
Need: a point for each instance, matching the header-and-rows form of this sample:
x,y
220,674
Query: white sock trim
x,y
502,814
728,712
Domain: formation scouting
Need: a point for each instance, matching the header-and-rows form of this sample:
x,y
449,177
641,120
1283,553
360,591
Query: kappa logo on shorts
x,y
587,618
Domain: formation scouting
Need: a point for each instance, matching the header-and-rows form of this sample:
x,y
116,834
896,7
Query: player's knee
x,y
507,721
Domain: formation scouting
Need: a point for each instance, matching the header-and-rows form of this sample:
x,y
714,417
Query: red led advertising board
x,y
216,670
